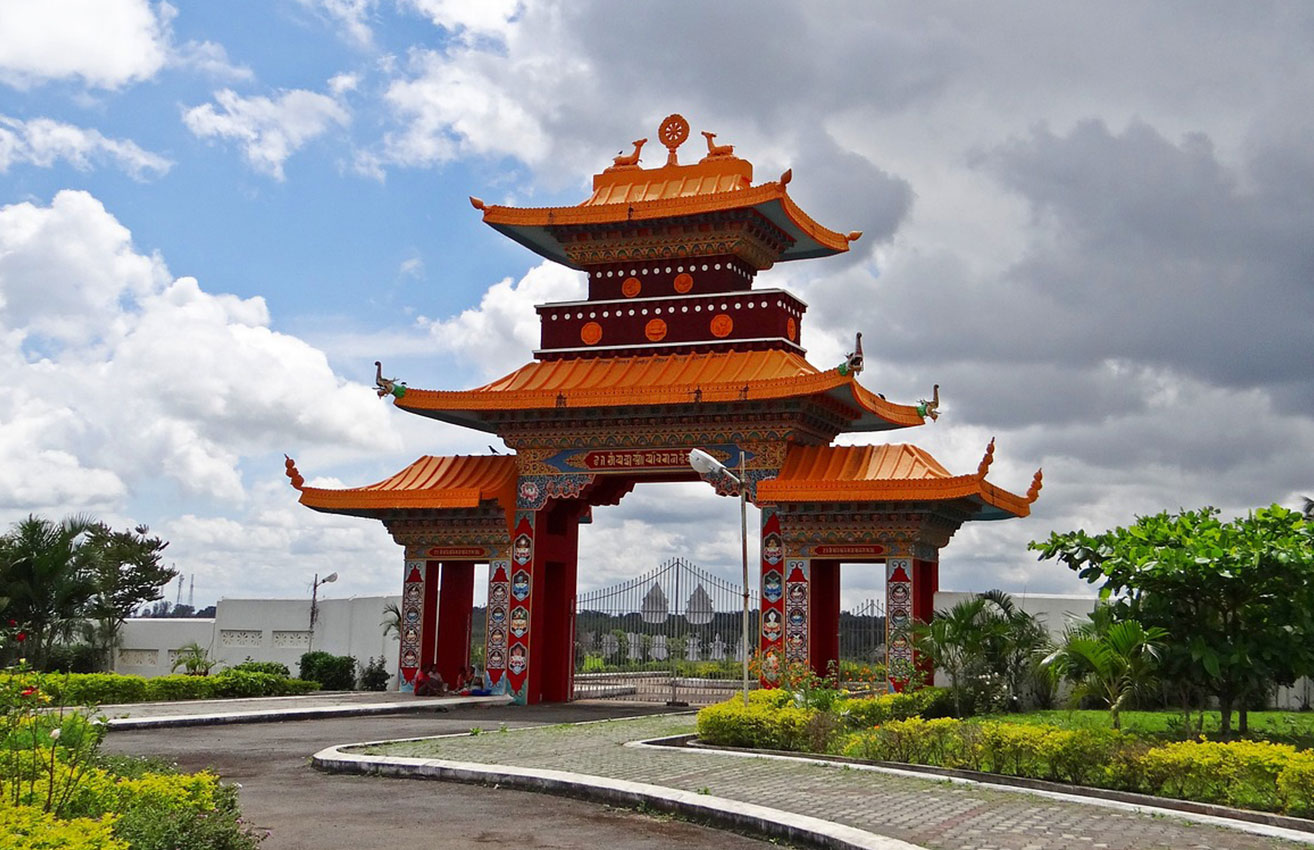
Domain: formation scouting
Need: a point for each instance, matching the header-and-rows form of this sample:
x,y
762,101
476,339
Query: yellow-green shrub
x,y
1296,784
30,828
760,725
1238,773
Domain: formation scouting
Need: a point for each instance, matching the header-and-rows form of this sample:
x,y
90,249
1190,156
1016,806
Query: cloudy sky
x,y
1089,223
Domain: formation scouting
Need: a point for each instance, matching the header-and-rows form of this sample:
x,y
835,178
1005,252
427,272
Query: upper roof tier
x,y
625,218
656,380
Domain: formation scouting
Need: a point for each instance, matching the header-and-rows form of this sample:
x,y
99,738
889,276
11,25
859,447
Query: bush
x,y
179,686
333,672
273,668
1240,773
75,658
375,676
1296,784
30,828
96,688
760,725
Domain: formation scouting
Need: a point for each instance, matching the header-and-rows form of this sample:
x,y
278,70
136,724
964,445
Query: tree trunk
x,y
1225,701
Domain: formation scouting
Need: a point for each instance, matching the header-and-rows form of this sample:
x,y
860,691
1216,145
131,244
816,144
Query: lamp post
x,y
314,604
705,464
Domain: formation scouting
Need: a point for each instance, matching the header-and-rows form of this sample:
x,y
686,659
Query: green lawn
x,y
1292,727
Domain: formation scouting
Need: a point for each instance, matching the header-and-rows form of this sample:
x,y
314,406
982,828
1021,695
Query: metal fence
x,y
672,635
862,638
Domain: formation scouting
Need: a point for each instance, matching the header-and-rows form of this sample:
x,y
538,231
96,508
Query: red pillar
x,y
429,613
771,640
455,609
412,612
552,613
824,619
926,581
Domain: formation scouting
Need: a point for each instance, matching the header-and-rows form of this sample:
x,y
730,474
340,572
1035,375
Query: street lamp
x,y
705,464
314,603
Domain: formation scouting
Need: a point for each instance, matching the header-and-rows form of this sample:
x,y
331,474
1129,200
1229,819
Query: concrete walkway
x,y
163,715
927,813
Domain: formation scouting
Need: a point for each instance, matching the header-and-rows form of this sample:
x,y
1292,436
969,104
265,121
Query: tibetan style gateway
x,y
674,349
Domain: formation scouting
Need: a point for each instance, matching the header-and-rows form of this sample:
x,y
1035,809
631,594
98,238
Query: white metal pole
x,y
743,540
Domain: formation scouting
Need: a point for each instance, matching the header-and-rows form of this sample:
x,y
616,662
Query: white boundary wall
x,y
265,630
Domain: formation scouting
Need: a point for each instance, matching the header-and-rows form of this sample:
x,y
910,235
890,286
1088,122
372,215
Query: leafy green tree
x,y
126,573
1236,597
1110,660
46,572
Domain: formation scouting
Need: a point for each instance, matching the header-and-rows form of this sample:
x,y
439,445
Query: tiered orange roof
x,y
667,379
430,482
719,182
894,472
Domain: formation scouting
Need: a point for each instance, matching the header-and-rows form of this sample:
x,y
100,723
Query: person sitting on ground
x,y
428,683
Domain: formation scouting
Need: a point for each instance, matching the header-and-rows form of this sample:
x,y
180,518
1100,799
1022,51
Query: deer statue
x,y
715,150
623,161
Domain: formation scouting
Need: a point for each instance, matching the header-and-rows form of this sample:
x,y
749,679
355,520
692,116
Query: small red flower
x,y
13,623
20,637
27,692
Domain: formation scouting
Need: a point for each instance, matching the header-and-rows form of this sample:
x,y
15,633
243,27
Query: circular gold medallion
x,y
683,282
722,325
655,330
791,328
631,287
591,333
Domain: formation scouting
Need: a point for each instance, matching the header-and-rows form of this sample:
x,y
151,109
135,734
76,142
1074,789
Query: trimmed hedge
x,y
112,688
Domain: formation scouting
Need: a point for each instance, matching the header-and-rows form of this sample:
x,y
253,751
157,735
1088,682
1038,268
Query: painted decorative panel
x,y
241,637
291,639
139,657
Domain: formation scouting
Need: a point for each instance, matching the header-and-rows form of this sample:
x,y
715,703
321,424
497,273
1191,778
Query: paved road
x,y
308,810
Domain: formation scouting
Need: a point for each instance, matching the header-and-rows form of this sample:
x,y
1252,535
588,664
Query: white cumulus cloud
x,y
43,141
269,130
117,375
105,43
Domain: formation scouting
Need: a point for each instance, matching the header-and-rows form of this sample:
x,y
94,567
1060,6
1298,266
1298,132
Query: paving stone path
x,y
933,814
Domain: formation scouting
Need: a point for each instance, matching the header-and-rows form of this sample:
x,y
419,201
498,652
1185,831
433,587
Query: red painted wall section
x,y
455,608
429,614
552,620
824,620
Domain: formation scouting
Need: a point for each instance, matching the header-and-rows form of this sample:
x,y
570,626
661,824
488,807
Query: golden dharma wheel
x,y
591,333
683,282
631,287
721,325
673,131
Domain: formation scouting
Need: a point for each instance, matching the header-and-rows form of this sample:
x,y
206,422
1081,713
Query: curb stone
x,y
1256,823
720,811
279,715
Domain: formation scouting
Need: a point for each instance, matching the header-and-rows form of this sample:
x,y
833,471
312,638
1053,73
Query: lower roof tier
x,y
662,380
849,475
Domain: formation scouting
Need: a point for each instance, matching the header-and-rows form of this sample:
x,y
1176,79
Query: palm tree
x,y
1107,660
954,639
391,621
45,570
1309,509
194,659
1014,643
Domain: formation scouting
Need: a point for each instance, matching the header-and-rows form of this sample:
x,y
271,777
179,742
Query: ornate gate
x,y
672,635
